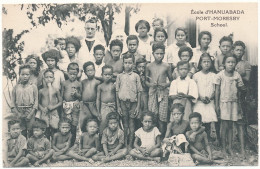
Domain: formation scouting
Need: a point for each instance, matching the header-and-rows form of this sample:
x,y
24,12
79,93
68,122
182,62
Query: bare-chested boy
x,y
49,101
200,149
106,96
61,143
116,62
157,73
71,94
89,93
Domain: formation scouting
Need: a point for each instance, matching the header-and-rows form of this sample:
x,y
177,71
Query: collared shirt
x,y
148,139
187,86
128,85
35,144
112,139
25,96
228,86
16,144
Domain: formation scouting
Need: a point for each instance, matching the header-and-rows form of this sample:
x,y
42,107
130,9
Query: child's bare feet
x,y
216,143
157,159
105,160
91,161
36,164
224,152
230,151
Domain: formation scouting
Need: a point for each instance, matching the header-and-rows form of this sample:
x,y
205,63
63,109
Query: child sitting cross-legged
x,y
149,135
112,141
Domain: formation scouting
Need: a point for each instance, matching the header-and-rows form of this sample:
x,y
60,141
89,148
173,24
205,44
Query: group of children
x,y
134,106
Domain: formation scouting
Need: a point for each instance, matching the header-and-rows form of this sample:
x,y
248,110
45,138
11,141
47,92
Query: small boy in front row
x,y
112,141
106,96
128,96
16,146
200,149
71,94
38,146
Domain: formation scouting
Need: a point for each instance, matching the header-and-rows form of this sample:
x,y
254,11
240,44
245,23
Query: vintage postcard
x,y
129,84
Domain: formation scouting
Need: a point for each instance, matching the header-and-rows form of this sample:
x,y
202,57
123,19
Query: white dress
x,y
206,88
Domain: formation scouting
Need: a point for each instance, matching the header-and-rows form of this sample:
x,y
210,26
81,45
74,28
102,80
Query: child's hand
x,y
45,110
143,151
119,110
50,108
163,85
136,112
99,117
111,153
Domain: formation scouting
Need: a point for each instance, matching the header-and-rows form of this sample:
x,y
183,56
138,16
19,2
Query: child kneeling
x,y
150,140
112,141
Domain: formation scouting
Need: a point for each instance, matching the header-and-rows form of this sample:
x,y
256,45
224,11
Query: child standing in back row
x,y
157,73
228,82
128,96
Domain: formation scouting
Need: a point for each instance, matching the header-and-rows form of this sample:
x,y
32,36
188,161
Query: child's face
x,y
183,70
132,46
141,67
160,37
90,71
185,56
33,64
62,44
116,52
195,124
239,52
51,63
230,64
71,50
72,74
180,37
38,132
205,40
158,55
205,63
99,54
112,124
128,64
147,123
64,128
92,127
107,75
142,30
90,29
15,130
25,75
225,47
157,24
49,77
176,116
120,37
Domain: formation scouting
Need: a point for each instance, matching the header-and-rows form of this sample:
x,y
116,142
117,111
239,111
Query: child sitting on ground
x,y
89,93
149,136
112,141
184,90
17,146
25,100
61,143
38,146
49,102
200,149
71,94
106,96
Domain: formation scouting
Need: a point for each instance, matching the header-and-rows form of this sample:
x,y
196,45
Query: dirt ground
x,y
237,160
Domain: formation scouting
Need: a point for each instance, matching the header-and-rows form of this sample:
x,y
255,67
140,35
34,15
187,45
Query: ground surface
x,y
237,160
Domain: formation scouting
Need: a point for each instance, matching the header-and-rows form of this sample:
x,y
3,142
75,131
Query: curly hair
x,y
74,41
38,61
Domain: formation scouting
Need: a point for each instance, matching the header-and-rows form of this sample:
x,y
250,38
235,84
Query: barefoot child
x,y
61,143
112,141
89,93
156,74
106,96
38,146
71,94
184,90
128,96
149,136
25,100
49,102
17,146
205,81
228,82
200,149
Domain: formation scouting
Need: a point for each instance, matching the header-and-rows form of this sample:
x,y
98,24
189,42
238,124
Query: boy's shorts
x,y
128,108
71,111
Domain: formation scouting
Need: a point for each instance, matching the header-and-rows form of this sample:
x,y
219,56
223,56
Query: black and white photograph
x,y
109,84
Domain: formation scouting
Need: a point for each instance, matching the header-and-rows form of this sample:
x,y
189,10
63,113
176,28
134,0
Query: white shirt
x,y
98,69
148,139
